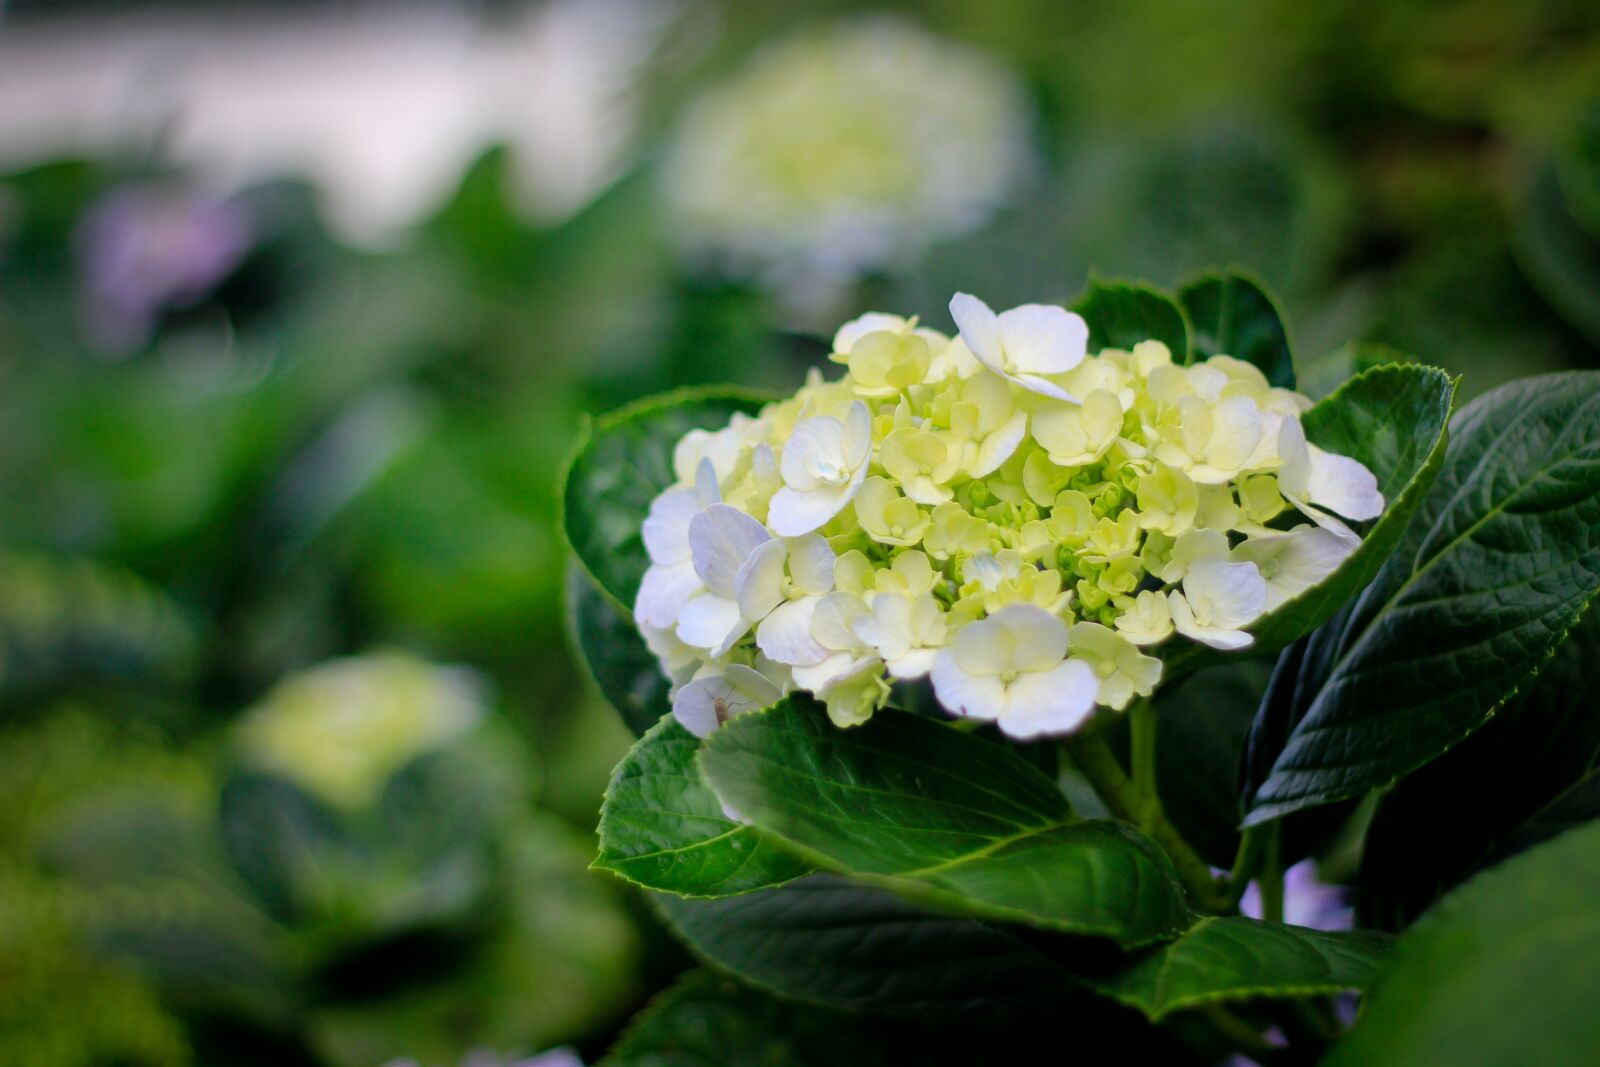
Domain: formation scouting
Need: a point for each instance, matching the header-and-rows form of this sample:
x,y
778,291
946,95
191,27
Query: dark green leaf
x,y
1500,974
706,1020
1234,315
829,941
622,666
1224,959
1439,825
623,461
275,834
663,828
1496,566
1121,314
943,816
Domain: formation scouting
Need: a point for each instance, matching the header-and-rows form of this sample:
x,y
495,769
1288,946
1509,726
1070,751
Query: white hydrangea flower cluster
x,y
1001,511
844,148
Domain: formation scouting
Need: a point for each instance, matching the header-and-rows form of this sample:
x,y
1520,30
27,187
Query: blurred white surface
x,y
382,110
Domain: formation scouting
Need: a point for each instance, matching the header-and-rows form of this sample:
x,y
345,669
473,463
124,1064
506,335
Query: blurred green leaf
x,y
1501,972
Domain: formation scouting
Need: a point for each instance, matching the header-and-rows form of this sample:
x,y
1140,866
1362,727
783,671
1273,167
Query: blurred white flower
x,y
846,149
341,729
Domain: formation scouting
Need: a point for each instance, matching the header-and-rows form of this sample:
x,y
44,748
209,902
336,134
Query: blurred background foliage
x,y
259,464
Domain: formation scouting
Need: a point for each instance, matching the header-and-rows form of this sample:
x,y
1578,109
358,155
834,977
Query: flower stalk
x,y
1127,800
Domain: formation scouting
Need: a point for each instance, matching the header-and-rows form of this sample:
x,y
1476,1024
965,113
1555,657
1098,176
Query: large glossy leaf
x,y
623,461
1121,314
1500,974
626,672
1234,958
1233,314
662,827
1499,561
1440,824
830,941
1394,419
942,816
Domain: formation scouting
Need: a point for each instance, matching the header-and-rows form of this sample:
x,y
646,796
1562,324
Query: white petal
x,y
711,622
1344,485
815,438
1235,592
1294,562
833,624
857,440
758,586
706,491
1037,638
999,446
914,664
1043,338
888,627
1049,702
663,593
1183,621
973,695
1035,384
785,635
811,561
837,666
980,328
721,538
1236,431
695,705
1294,476
754,687
666,528
793,512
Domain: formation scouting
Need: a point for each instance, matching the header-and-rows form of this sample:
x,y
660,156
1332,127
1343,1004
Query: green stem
x,y
1246,862
1142,735
1100,765
1272,875
1240,1034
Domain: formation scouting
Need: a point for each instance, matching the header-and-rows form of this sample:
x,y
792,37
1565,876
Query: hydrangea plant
x,y
942,674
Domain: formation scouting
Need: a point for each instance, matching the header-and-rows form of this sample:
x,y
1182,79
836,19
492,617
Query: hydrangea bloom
x,y
1018,520
845,148
340,730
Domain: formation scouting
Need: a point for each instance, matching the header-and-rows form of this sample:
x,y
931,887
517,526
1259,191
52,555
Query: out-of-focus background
x,y
301,305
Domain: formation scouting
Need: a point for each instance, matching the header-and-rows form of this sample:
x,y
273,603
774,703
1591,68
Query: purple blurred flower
x,y
1307,900
147,249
